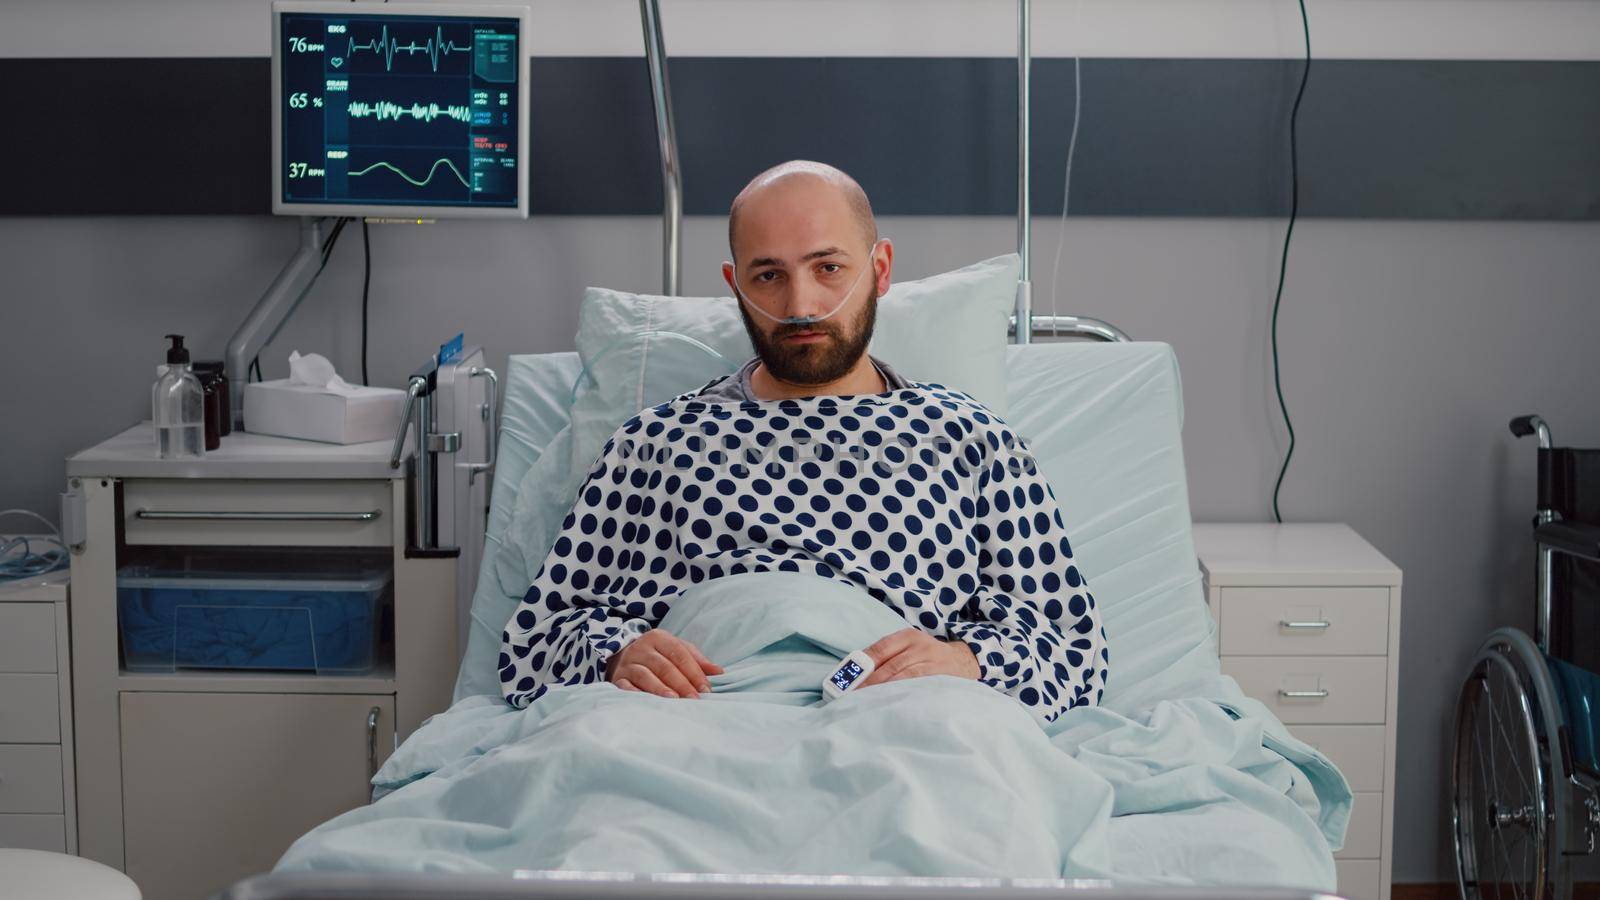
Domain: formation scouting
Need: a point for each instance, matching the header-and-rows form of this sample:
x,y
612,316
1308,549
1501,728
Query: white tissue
x,y
313,370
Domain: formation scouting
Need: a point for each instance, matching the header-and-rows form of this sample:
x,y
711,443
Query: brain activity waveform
x,y
383,110
434,47
381,164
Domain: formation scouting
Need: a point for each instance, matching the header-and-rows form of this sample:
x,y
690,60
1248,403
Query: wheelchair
x,y
1525,766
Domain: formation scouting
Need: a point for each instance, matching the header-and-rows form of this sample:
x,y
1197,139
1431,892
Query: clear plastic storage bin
x,y
174,618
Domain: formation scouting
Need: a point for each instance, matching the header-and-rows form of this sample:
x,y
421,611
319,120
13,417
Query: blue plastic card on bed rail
x,y
450,350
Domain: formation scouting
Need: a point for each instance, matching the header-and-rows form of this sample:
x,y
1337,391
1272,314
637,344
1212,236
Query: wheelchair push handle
x,y
1525,426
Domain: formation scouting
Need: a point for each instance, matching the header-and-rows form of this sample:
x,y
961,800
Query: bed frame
x,y
622,886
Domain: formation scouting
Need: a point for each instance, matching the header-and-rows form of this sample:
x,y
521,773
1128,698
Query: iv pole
x,y
1023,321
1024,314
655,56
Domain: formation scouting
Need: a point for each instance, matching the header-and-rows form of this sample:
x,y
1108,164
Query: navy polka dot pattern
x,y
922,497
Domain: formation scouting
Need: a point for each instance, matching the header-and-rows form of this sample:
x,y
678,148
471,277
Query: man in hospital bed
x,y
814,458
808,507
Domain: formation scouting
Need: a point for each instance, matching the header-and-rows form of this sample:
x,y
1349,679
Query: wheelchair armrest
x,y
1576,538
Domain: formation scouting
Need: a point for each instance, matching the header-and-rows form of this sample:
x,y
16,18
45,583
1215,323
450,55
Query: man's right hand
x,y
661,663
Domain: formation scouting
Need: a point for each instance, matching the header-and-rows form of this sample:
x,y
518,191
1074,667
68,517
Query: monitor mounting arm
x,y
291,285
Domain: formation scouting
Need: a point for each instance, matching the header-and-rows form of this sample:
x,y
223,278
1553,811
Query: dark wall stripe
x,y
1160,137
133,136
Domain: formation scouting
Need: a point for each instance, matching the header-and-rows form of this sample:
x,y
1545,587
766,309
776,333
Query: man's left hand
x,y
912,653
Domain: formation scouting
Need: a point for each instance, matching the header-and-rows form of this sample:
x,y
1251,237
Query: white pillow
x,y
949,329
640,350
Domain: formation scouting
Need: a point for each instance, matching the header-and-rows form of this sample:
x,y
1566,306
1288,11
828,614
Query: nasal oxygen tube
x,y
811,320
588,365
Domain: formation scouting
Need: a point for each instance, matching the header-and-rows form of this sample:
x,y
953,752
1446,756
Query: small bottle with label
x,y
177,405
215,385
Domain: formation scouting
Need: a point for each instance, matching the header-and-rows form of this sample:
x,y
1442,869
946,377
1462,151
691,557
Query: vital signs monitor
x,y
404,109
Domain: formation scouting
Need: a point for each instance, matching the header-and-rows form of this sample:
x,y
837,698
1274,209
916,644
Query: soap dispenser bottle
x,y
177,405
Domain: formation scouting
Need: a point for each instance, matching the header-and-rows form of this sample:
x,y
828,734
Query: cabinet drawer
x,y
1356,749
215,787
1282,621
34,833
1313,689
30,710
30,779
27,832
272,513
27,637
1364,838
1359,879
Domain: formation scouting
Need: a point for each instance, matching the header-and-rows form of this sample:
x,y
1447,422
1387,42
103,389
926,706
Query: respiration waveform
x,y
389,46
383,109
424,182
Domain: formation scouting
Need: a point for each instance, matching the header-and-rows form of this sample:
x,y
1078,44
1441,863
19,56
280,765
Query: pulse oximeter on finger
x,y
851,671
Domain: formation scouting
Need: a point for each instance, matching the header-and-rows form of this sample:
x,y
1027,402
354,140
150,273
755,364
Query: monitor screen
x,y
399,109
847,675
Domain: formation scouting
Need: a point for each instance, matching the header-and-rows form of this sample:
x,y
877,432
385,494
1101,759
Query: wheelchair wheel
x,y
1507,777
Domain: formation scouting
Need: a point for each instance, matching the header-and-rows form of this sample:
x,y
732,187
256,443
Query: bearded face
x,y
817,352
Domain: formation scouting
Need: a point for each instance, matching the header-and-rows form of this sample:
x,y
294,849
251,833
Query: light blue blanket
x,y
930,777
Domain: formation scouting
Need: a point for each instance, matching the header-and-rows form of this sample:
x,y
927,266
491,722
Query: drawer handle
x,y
1302,695
372,750
162,515
372,741
1318,625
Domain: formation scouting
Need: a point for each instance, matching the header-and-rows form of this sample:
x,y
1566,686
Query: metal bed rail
x,y
674,886
1071,326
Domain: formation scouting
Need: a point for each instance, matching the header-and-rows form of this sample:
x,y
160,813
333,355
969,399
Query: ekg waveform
x,y
389,46
424,182
383,109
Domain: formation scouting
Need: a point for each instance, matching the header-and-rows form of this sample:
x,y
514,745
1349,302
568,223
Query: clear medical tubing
x,y
631,338
811,320
18,557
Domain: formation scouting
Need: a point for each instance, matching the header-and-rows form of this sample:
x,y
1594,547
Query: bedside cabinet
x,y
37,807
1308,622
198,765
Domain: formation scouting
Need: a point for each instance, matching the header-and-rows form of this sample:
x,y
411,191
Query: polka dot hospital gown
x,y
921,497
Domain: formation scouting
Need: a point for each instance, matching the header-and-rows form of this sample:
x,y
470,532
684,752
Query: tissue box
x,y
310,413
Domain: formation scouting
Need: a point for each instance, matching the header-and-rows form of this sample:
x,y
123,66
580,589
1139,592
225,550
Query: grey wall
x,y
1406,346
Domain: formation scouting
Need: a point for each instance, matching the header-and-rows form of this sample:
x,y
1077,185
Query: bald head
x,y
799,188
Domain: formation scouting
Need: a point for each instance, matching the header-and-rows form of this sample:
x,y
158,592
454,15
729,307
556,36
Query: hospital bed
x,y
1104,422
